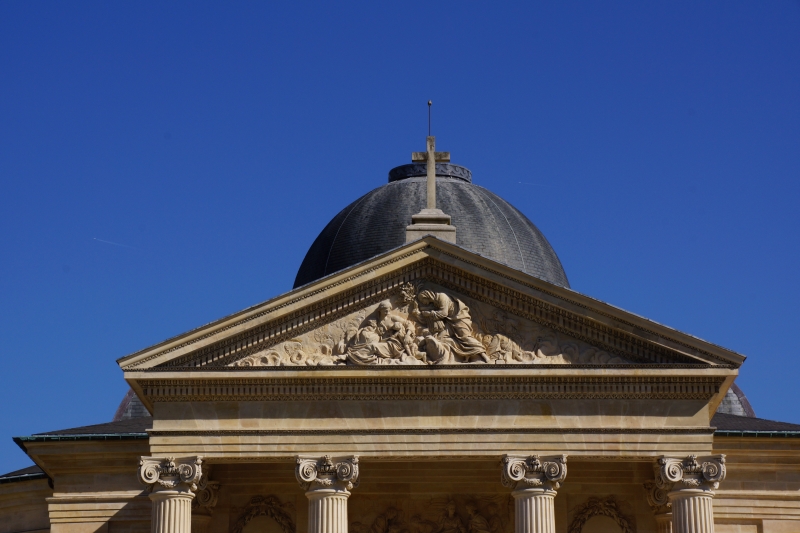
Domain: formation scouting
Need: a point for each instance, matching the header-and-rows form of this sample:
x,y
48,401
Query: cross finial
x,y
431,157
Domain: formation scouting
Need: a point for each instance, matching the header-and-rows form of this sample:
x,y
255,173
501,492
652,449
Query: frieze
x,y
434,431
519,306
428,388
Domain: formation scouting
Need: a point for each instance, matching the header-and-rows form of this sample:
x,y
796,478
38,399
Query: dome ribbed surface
x,y
485,224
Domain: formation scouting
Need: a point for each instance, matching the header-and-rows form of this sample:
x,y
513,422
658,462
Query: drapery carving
x,y
600,507
422,325
269,506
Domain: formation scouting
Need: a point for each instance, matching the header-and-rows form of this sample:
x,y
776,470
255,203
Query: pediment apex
x,y
468,277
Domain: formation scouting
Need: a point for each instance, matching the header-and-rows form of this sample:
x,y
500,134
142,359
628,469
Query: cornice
x,y
700,430
253,313
432,270
429,388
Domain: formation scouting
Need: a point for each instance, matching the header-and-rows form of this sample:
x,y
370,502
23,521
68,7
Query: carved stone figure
x,y
388,340
449,521
448,329
419,326
388,521
477,523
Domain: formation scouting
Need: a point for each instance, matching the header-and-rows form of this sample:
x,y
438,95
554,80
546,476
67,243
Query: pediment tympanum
x,y
429,303
427,324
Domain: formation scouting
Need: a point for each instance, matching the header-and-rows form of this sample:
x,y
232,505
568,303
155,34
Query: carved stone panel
x,y
425,324
441,514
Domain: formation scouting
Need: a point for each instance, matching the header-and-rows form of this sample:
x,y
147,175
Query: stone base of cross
x,y
431,221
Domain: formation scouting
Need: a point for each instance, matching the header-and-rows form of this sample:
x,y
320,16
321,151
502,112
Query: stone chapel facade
x,y
431,372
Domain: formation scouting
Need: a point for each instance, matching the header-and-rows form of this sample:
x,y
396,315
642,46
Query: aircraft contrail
x,y
114,243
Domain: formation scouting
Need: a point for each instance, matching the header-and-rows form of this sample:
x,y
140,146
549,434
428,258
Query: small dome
x,y
485,224
130,407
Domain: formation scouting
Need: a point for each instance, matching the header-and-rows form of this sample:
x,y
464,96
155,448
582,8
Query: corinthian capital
x,y
170,473
702,473
531,472
336,473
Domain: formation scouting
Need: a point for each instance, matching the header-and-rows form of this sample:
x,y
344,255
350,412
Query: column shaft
x,y
534,511
664,523
172,511
327,511
692,512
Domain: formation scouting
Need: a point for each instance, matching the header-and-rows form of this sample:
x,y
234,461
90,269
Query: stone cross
x,y
431,157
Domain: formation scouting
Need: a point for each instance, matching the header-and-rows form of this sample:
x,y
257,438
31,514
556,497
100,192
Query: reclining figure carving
x,y
427,327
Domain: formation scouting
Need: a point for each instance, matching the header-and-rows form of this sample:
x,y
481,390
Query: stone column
x,y
204,502
659,502
171,482
535,481
689,484
327,482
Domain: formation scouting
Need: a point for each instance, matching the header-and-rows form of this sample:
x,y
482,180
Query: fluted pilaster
x,y
171,482
327,482
535,481
664,523
658,499
689,484
204,502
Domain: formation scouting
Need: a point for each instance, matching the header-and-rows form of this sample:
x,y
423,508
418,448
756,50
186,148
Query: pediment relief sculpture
x,y
429,325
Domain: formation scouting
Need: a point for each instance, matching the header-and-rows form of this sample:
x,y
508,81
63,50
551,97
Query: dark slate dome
x,y
485,224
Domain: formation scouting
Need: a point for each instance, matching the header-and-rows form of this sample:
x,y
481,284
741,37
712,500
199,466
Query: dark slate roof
x,y
120,427
485,224
24,474
746,426
129,429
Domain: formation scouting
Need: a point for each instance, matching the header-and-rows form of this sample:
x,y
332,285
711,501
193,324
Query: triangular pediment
x,y
429,303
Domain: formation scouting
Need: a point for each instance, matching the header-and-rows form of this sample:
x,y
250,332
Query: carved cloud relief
x,y
426,325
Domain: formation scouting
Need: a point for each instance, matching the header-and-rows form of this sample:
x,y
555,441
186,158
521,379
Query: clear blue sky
x,y
163,166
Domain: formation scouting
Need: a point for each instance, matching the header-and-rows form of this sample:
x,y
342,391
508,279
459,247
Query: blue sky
x,y
163,166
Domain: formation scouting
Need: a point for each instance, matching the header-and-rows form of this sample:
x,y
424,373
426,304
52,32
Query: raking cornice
x,y
304,309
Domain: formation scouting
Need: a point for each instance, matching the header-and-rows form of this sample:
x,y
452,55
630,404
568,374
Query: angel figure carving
x,y
448,336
